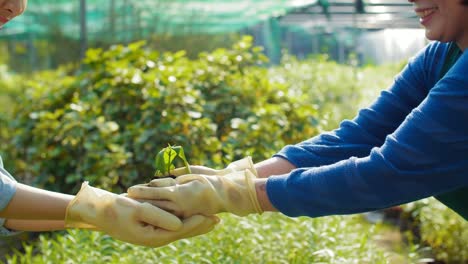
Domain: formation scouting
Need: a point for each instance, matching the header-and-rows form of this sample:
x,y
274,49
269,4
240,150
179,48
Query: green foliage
x,y
104,123
167,160
8,92
25,54
444,231
193,44
270,238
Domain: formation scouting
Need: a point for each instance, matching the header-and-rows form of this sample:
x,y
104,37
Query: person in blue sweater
x,y
27,208
411,143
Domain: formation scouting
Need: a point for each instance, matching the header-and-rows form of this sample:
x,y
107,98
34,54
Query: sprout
x,y
166,160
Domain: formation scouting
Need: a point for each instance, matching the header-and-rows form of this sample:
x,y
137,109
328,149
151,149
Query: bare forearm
x,y
36,204
34,225
273,166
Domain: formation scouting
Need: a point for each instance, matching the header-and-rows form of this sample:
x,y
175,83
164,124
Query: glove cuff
x,y
243,164
249,180
73,218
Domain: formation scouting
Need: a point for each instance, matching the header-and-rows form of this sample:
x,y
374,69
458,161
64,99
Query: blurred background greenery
x,y
92,90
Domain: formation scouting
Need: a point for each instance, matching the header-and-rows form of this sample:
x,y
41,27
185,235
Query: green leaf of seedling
x,y
166,159
181,155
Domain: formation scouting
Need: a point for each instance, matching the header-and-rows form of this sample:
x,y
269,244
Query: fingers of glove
x,y
167,206
133,188
181,171
195,178
204,227
148,235
163,182
195,169
157,217
203,170
194,225
152,193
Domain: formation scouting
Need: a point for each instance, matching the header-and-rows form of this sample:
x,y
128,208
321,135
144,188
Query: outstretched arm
x,y
425,156
34,225
369,129
33,209
31,203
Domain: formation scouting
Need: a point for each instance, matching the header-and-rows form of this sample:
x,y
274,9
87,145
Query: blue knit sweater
x,y
411,143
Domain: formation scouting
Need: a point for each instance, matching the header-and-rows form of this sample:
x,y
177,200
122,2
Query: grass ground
x,y
270,238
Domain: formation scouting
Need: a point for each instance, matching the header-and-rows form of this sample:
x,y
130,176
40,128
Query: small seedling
x,y
168,159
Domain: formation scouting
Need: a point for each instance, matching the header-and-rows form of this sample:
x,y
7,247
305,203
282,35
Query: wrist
x,y
273,166
262,196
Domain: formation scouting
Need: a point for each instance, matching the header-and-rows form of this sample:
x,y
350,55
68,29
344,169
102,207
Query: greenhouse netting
x,y
121,19
300,26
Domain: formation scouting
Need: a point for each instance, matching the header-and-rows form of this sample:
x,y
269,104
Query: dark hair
x,y
464,2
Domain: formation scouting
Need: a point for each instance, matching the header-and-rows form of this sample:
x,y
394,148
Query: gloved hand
x,y
129,220
192,194
239,165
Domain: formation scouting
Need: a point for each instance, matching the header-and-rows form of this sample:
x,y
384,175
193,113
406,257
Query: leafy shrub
x,y
105,123
444,231
8,90
8,93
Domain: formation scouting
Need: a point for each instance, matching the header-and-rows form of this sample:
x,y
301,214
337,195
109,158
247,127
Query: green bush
x,y
106,123
8,93
437,226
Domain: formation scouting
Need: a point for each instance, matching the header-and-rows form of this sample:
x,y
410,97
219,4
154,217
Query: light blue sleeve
x,y
7,186
7,190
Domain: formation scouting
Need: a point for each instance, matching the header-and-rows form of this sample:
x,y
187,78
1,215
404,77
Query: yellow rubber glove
x,y
239,165
129,220
192,194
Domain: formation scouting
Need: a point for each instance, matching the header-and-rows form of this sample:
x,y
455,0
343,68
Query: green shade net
x,y
130,19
